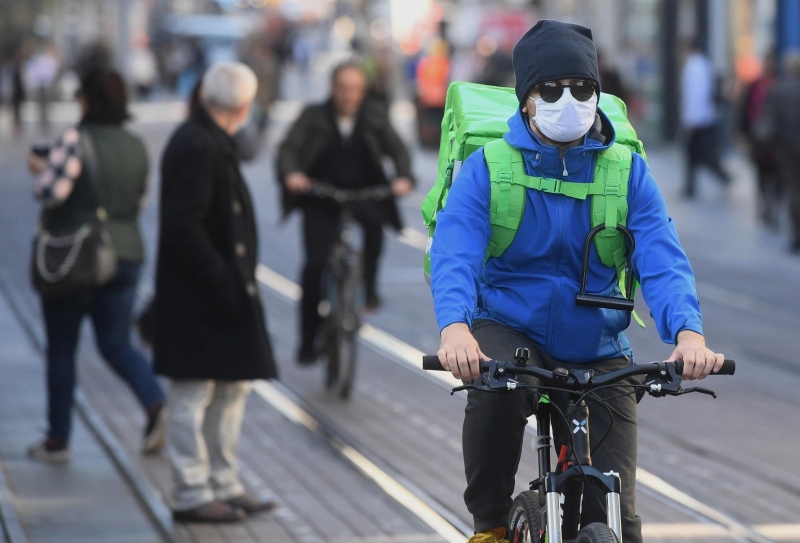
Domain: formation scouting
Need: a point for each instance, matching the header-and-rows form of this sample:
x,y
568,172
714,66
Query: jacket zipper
x,y
554,305
621,350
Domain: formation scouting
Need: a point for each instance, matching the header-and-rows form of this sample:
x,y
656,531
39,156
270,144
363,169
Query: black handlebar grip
x,y
728,368
431,362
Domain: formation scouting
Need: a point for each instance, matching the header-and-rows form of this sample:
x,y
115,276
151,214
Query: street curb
x,y
149,498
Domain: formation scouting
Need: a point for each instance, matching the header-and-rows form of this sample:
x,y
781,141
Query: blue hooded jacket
x,y
532,286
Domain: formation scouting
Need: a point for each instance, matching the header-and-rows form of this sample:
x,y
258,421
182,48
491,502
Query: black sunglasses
x,y
581,90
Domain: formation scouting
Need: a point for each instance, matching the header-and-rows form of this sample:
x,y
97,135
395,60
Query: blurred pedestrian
x,y
343,142
211,338
41,72
698,113
781,121
610,80
97,160
143,69
761,150
12,89
433,77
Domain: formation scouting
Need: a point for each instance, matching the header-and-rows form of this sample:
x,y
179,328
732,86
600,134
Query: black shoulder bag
x,y
81,260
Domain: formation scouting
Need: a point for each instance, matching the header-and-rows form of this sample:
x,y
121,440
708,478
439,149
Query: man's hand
x,y
298,182
698,360
36,164
459,352
402,186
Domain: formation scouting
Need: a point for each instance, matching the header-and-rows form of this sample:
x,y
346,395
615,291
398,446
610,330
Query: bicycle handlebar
x,y
431,363
326,190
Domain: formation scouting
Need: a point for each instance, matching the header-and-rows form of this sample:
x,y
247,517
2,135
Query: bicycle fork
x,y
569,479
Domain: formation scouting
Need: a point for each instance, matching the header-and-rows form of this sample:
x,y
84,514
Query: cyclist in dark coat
x,y
342,142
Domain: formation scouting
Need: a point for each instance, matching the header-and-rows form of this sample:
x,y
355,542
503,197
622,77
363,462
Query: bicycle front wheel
x,y
596,533
341,340
524,523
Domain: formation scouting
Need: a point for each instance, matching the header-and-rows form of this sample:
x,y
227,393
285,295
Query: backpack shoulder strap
x,y
610,208
507,202
610,205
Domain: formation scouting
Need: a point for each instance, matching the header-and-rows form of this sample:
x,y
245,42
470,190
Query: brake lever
x,y
701,390
489,383
467,387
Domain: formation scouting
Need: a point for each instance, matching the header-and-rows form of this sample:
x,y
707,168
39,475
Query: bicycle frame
x,y
570,482
342,260
664,378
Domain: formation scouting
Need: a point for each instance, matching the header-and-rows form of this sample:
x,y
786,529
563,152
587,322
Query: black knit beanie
x,y
553,50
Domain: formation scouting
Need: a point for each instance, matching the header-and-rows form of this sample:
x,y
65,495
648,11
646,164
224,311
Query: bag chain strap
x,y
74,240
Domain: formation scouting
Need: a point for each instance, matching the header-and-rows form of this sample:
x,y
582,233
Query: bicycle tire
x,y
347,364
596,532
524,519
331,352
343,325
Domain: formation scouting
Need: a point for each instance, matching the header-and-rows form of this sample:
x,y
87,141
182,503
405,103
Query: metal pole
x,y
702,25
669,70
123,45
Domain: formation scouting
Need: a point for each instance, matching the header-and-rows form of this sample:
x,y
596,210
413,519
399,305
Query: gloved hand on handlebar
x,y
459,352
698,360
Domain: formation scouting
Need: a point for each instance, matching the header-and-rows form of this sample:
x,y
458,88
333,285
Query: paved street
x,y
720,470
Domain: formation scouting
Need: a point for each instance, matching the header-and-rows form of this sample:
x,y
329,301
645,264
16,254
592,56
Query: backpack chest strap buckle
x,y
552,186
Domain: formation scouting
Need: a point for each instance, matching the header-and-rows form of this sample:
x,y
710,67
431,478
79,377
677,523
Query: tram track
x,y
148,499
447,524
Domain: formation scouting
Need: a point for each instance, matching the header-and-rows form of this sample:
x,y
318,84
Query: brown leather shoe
x,y
250,505
215,511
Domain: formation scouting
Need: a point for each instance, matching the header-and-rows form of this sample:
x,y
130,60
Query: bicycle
x,y
537,515
343,303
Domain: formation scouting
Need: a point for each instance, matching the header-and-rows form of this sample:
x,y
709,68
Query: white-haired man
x,y
211,337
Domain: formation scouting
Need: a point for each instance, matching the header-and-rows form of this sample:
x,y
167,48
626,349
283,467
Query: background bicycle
x,y
343,299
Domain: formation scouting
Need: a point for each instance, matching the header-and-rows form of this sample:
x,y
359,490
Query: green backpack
x,y
476,117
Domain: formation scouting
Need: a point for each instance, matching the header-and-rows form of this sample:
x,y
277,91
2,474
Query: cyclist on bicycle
x,y
526,297
343,142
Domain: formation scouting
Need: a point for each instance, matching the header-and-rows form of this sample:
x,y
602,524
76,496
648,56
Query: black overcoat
x,y
314,131
210,320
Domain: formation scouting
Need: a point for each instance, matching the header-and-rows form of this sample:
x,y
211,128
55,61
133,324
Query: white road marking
x,y
412,357
734,528
415,239
776,532
739,300
278,283
275,397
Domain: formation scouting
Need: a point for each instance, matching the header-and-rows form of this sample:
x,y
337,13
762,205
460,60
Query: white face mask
x,y
565,120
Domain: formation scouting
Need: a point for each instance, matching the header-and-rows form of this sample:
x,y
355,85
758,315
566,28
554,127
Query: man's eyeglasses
x,y
581,90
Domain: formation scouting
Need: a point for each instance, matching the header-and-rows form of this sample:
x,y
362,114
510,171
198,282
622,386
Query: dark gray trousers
x,y
494,430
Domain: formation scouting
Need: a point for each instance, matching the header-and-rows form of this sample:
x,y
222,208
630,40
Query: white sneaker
x,y
41,453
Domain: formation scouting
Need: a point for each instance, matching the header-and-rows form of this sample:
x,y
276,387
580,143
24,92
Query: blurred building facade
x,y
640,39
